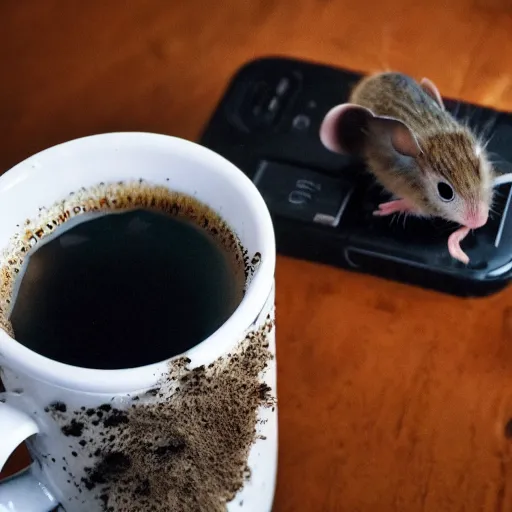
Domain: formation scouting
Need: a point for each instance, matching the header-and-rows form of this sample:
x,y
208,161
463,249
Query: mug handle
x,y
22,492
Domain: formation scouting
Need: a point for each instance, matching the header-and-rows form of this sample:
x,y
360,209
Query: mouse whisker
x,y
469,120
457,109
465,121
493,214
482,135
474,112
406,216
484,141
499,194
495,157
486,128
496,207
494,211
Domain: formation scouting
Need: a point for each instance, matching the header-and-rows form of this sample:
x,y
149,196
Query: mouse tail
x,y
501,179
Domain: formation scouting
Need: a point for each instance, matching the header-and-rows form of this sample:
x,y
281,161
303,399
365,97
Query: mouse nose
x,y
476,218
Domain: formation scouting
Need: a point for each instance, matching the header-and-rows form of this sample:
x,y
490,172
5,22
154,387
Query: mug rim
x,y
20,358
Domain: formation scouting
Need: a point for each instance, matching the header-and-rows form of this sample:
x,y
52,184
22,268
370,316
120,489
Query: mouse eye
x,y
445,191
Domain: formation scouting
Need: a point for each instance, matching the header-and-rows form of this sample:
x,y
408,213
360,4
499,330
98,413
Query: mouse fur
x,y
432,164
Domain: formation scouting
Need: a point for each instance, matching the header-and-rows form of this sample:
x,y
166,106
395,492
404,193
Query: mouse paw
x,y
397,206
454,241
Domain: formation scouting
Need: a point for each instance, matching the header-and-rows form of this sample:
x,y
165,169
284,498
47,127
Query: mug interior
x,y
182,166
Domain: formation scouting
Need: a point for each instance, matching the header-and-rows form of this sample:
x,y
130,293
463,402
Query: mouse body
x,y
432,164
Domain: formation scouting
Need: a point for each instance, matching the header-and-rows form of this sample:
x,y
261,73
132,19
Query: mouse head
x,y
458,177
450,169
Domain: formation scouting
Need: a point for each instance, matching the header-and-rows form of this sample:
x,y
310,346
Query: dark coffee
x,y
124,289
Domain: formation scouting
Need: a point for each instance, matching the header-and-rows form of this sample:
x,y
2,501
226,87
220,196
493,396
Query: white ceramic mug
x,y
35,384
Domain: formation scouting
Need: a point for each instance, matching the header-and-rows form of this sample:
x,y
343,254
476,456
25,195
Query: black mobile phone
x,y
267,123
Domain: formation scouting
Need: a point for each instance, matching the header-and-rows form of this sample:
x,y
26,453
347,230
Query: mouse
x,y
433,165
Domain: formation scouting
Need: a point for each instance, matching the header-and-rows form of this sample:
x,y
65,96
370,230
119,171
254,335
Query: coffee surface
x,y
124,289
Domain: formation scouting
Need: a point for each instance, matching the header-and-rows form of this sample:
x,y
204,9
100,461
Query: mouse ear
x,y
430,88
401,137
403,140
343,129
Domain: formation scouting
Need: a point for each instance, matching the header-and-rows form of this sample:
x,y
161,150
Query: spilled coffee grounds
x,y
182,446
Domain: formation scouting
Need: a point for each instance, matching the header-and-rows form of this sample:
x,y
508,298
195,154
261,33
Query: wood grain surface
x,y
391,398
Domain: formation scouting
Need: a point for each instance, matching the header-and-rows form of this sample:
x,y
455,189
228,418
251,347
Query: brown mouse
x,y
434,165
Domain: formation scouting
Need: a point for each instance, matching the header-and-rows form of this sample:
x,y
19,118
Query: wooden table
x,y
391,398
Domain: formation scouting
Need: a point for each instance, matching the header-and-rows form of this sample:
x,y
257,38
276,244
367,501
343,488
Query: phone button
x,y
301,122
301,193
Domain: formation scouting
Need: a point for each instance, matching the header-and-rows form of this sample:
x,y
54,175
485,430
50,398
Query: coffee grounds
x,y
58,406
184,447
75,428
112,465
116,418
